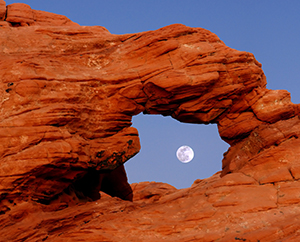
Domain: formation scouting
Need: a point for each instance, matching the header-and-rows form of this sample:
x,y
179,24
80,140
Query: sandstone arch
x,y
67,101
68,94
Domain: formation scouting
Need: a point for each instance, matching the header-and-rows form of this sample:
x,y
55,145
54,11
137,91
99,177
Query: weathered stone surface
x,y
20,14
2,10
249,212
67,96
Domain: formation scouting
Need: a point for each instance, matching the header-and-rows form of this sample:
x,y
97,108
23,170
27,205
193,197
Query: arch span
x,y
66,112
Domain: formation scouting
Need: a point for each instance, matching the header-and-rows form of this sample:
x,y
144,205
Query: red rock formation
x,y
68,94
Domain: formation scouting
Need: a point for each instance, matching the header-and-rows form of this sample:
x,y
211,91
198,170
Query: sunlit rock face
x,y
67,96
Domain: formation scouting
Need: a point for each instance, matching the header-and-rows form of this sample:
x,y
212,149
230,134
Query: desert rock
x,y
67,97
2,10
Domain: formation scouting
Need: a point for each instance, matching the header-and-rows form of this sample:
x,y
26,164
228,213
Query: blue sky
x,y
268,29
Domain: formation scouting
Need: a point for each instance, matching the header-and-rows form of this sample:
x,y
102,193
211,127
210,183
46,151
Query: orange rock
x,y
274,105
20,14
151,191
67,97
237,125
288,192
2,10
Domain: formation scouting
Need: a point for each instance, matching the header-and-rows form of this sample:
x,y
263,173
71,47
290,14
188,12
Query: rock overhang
x,y
68,94
66,109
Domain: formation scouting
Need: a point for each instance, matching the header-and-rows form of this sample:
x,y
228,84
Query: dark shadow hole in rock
x,y
113,183
84,188
87,187
15,24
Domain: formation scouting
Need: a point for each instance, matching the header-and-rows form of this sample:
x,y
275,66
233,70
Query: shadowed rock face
x,y
67,96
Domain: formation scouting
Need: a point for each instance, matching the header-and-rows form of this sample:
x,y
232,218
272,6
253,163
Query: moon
x,y
185,154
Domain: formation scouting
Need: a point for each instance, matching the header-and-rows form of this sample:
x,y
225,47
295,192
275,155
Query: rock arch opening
x,y
160,137
68,94
74,115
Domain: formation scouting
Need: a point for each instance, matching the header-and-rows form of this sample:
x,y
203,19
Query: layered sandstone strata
x,y
67,96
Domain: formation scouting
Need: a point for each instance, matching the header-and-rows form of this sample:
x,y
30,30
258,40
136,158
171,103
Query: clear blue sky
x,y
270,29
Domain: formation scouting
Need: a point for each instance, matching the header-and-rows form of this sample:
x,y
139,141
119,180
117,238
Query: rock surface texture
x,y
67,96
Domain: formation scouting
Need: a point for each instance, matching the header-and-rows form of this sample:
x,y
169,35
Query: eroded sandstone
x,y
67,97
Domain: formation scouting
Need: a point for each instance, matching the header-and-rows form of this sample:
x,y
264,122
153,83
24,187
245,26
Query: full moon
x,y
185,154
